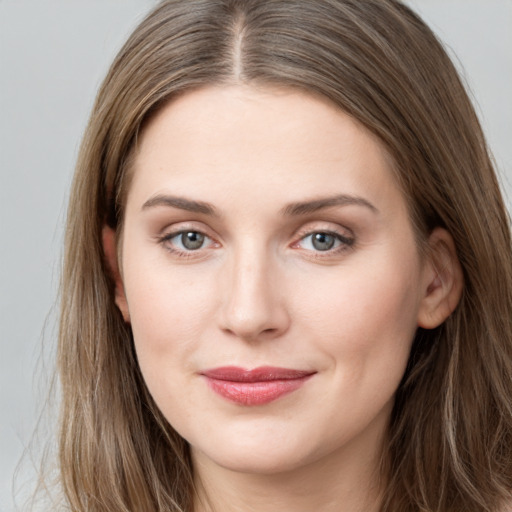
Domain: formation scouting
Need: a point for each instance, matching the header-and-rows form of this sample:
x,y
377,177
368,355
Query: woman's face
x,y
271,277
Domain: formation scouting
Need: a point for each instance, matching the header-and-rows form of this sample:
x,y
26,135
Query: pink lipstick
x,y
255,387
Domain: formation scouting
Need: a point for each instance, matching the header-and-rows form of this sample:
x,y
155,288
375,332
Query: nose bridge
x,y
253,305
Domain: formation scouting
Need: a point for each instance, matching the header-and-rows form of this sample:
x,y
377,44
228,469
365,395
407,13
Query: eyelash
x,y
344,243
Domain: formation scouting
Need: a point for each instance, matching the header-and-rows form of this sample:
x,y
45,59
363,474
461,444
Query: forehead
x,y
263,143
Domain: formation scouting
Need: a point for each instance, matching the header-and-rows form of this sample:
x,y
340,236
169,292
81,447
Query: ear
x,y
443,280
110,251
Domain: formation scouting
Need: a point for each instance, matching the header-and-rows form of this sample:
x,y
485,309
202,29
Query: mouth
x,y
258,386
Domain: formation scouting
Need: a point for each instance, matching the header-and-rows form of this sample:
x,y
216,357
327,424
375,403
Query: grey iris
x,y
323,241
192,240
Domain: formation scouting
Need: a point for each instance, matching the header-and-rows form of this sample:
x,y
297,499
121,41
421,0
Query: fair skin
x,y
303,258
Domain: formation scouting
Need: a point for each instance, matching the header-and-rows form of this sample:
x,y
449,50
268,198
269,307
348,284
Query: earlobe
x,y
443,281
110,251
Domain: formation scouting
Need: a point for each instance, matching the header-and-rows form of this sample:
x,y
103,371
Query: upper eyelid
x,y
346,243
340,230
165,239
305,230
328,232
173,234
182,227
346,240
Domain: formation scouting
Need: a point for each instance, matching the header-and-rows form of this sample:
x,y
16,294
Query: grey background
x,y
53,55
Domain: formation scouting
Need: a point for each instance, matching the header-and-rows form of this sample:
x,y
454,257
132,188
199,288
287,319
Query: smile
x,y
255,387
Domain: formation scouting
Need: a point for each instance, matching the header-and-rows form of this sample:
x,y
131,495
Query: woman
x,y
287,282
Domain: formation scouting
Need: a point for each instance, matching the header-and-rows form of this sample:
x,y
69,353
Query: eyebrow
x,y
181,203
293,209
304,208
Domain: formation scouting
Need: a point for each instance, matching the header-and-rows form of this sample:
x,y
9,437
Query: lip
x,y
258,386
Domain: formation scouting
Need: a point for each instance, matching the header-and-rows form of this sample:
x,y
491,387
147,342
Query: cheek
x,y
365,316
169,311
169,314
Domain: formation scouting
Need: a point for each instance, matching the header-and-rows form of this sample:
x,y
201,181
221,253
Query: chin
x,y
255,454
254,461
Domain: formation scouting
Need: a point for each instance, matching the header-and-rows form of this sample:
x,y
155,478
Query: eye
x,y
323,241
185,241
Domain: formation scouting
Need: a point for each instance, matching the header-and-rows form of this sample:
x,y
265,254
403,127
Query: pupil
x,y
192,240
323,241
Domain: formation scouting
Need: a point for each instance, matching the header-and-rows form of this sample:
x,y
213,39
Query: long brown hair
x,y
450,439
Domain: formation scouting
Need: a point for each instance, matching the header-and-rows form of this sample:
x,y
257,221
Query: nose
x,y
253,303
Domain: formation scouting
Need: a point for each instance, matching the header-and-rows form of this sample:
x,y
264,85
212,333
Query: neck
x,y
340,482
